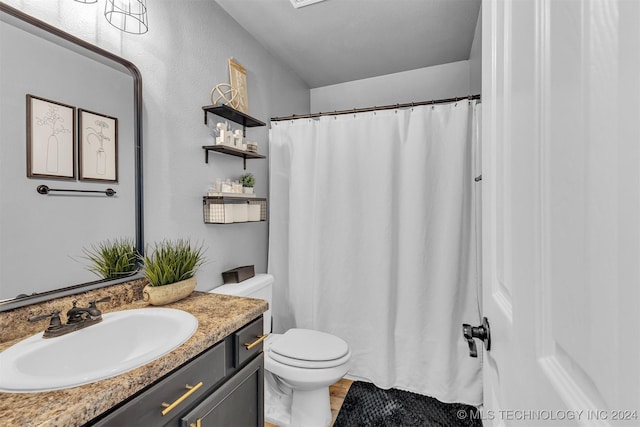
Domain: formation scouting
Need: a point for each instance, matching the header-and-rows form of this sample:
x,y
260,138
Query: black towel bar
x,y
43,189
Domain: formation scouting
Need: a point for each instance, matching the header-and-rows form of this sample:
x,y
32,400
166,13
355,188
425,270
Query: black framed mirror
x,y
43,236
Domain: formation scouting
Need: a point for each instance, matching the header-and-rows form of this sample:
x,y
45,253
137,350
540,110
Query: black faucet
x,y
77,318
89,314
55,329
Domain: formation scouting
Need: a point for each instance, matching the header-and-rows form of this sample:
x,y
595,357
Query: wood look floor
x,y
337,393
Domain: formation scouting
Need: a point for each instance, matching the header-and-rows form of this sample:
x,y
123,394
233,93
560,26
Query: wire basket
x,y
230,210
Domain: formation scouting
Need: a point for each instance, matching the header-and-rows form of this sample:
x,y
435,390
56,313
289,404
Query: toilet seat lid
x,y
310,345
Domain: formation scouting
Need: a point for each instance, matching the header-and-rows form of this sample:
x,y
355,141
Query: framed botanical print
x,y
50,139
238,78
98,146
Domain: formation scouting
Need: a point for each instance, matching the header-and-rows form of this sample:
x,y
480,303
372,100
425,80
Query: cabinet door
x,y
238,402
146,409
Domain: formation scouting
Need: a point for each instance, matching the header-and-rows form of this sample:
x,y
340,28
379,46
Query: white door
x,y
561,211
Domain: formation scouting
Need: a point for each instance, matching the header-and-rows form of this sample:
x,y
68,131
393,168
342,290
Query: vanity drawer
x,y
146,409
248,342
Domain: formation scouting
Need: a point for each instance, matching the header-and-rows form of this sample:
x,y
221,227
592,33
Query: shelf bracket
x,y
205,117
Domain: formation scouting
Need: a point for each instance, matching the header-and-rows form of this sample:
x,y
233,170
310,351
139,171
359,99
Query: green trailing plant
x,y
111,259
247,180
172,261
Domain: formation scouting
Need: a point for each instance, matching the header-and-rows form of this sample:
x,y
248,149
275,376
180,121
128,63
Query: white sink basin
x,y
123,341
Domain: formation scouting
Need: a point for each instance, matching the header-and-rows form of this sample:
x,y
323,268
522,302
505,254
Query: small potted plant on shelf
x,y
170,270
112,259
248,181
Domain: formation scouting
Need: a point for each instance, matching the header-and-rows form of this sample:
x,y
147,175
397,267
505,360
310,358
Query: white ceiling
x,y
335,41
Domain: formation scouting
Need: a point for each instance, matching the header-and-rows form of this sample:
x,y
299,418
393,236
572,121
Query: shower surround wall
x,y
181,58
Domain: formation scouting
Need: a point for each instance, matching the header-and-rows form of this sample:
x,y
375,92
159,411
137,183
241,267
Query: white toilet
x,y
300,364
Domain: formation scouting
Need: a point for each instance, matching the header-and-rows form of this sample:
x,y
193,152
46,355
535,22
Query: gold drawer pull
x,y
197,423
191,389
261,338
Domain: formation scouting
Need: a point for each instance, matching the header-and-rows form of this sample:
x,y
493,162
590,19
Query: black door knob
x,y
481,332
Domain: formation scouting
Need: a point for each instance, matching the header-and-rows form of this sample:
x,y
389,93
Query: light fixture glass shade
x,y
129,16
302,3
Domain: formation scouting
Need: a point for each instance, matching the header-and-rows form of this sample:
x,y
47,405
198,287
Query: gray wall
x,y
475,59
437,82
181,58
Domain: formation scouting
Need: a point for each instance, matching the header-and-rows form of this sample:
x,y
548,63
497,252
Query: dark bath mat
x,y
368,406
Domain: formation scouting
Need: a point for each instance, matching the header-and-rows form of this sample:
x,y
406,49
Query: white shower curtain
x,y
372,238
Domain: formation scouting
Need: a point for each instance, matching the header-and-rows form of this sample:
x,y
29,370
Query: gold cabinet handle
x,y
190,390
261,338
196,424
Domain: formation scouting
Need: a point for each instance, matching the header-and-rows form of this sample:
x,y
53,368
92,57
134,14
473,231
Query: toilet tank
x,y
260,286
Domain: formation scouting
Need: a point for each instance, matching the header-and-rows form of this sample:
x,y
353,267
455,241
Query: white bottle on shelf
x,y
238,139
221,132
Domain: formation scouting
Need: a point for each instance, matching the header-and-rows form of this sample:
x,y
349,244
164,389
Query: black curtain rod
x,y
384,107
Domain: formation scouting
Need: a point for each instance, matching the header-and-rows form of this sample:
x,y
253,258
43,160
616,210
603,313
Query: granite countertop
x,y
218,316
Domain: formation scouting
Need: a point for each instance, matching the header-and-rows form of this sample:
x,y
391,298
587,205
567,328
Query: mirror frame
x,y
92,50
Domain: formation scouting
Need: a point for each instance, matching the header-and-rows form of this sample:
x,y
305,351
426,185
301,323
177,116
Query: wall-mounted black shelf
x,y
232,151
233,115
238,117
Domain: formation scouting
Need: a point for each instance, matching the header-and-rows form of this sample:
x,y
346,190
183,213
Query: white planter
x,y
161,295
247,190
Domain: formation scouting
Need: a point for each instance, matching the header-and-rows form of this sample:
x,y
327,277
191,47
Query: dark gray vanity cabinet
x,y
223,386
234,403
